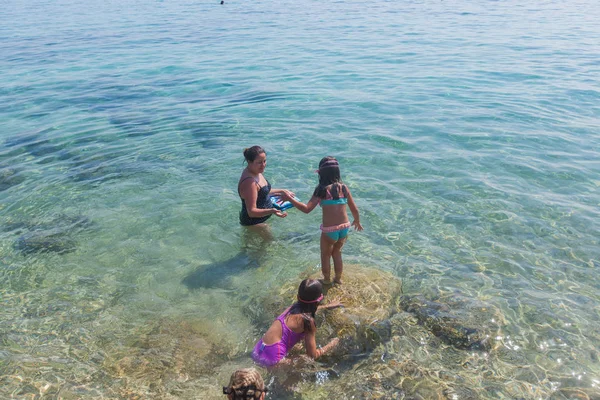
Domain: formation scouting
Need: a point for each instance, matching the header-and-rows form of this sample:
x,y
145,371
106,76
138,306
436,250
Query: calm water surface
x,y
467,131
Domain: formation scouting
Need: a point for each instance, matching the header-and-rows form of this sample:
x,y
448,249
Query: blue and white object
x,y
280,204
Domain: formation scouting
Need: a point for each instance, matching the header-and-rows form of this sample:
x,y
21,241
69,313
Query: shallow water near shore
x,y
467,132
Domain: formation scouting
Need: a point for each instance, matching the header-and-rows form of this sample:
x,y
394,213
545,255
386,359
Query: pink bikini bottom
x,y
336,232
334,228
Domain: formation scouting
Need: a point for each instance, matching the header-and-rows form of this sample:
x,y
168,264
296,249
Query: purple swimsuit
x,y
270,354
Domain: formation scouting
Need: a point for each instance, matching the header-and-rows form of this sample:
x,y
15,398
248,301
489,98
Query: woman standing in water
x,y
255,192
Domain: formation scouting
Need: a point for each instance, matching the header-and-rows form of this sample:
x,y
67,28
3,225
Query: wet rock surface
x,y
170,350
56,241
55,236
368,297
386,351
10,177
388,340
439,318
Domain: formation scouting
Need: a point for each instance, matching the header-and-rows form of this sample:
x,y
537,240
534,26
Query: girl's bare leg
x,y
338,265
326,249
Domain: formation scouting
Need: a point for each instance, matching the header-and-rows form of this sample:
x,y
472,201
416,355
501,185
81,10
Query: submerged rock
x,y
45,241
10,177
168,357
13,225
438,318
169,348
371,326
177,354
369,299
55,236
576,393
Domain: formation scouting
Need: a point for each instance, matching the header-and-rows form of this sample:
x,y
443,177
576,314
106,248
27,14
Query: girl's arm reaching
x,y
354,210
279,192
305,208
310,343
331,305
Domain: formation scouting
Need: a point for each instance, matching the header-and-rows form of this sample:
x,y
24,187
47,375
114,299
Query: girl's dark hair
x,y
329,174
309,290
250,153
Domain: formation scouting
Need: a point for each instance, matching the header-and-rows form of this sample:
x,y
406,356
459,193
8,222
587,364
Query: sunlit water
x,y
468,133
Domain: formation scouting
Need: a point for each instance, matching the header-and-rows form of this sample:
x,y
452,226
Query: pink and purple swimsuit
x,y
270,354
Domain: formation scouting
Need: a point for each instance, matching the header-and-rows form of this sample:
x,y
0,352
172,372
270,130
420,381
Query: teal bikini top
x,y
329,200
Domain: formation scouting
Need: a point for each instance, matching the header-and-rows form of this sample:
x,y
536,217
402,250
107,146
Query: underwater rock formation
x,y
438,318
371,297
378,326
56,236
170,349
170,357
10,177
45,241
368,296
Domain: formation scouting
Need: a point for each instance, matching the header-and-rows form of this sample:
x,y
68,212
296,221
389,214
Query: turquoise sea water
x,y
468,133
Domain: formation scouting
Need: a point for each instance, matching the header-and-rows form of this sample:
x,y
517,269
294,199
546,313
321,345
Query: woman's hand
x,y
356,224
280,214
287,195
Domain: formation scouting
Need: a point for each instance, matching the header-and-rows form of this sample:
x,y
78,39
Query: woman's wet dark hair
x,y
309,291
329,174
250,153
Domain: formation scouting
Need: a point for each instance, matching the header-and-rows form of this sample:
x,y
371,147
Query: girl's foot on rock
x,y
337,281
325,282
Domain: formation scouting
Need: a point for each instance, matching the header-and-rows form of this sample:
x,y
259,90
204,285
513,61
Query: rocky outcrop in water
x,y
368,296
55,241
10,177
186,355
438,318
56,236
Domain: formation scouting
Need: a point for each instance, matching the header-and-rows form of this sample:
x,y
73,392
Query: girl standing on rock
x,y
333,196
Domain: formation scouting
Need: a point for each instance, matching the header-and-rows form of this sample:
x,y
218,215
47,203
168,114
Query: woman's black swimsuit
x,y
263,201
